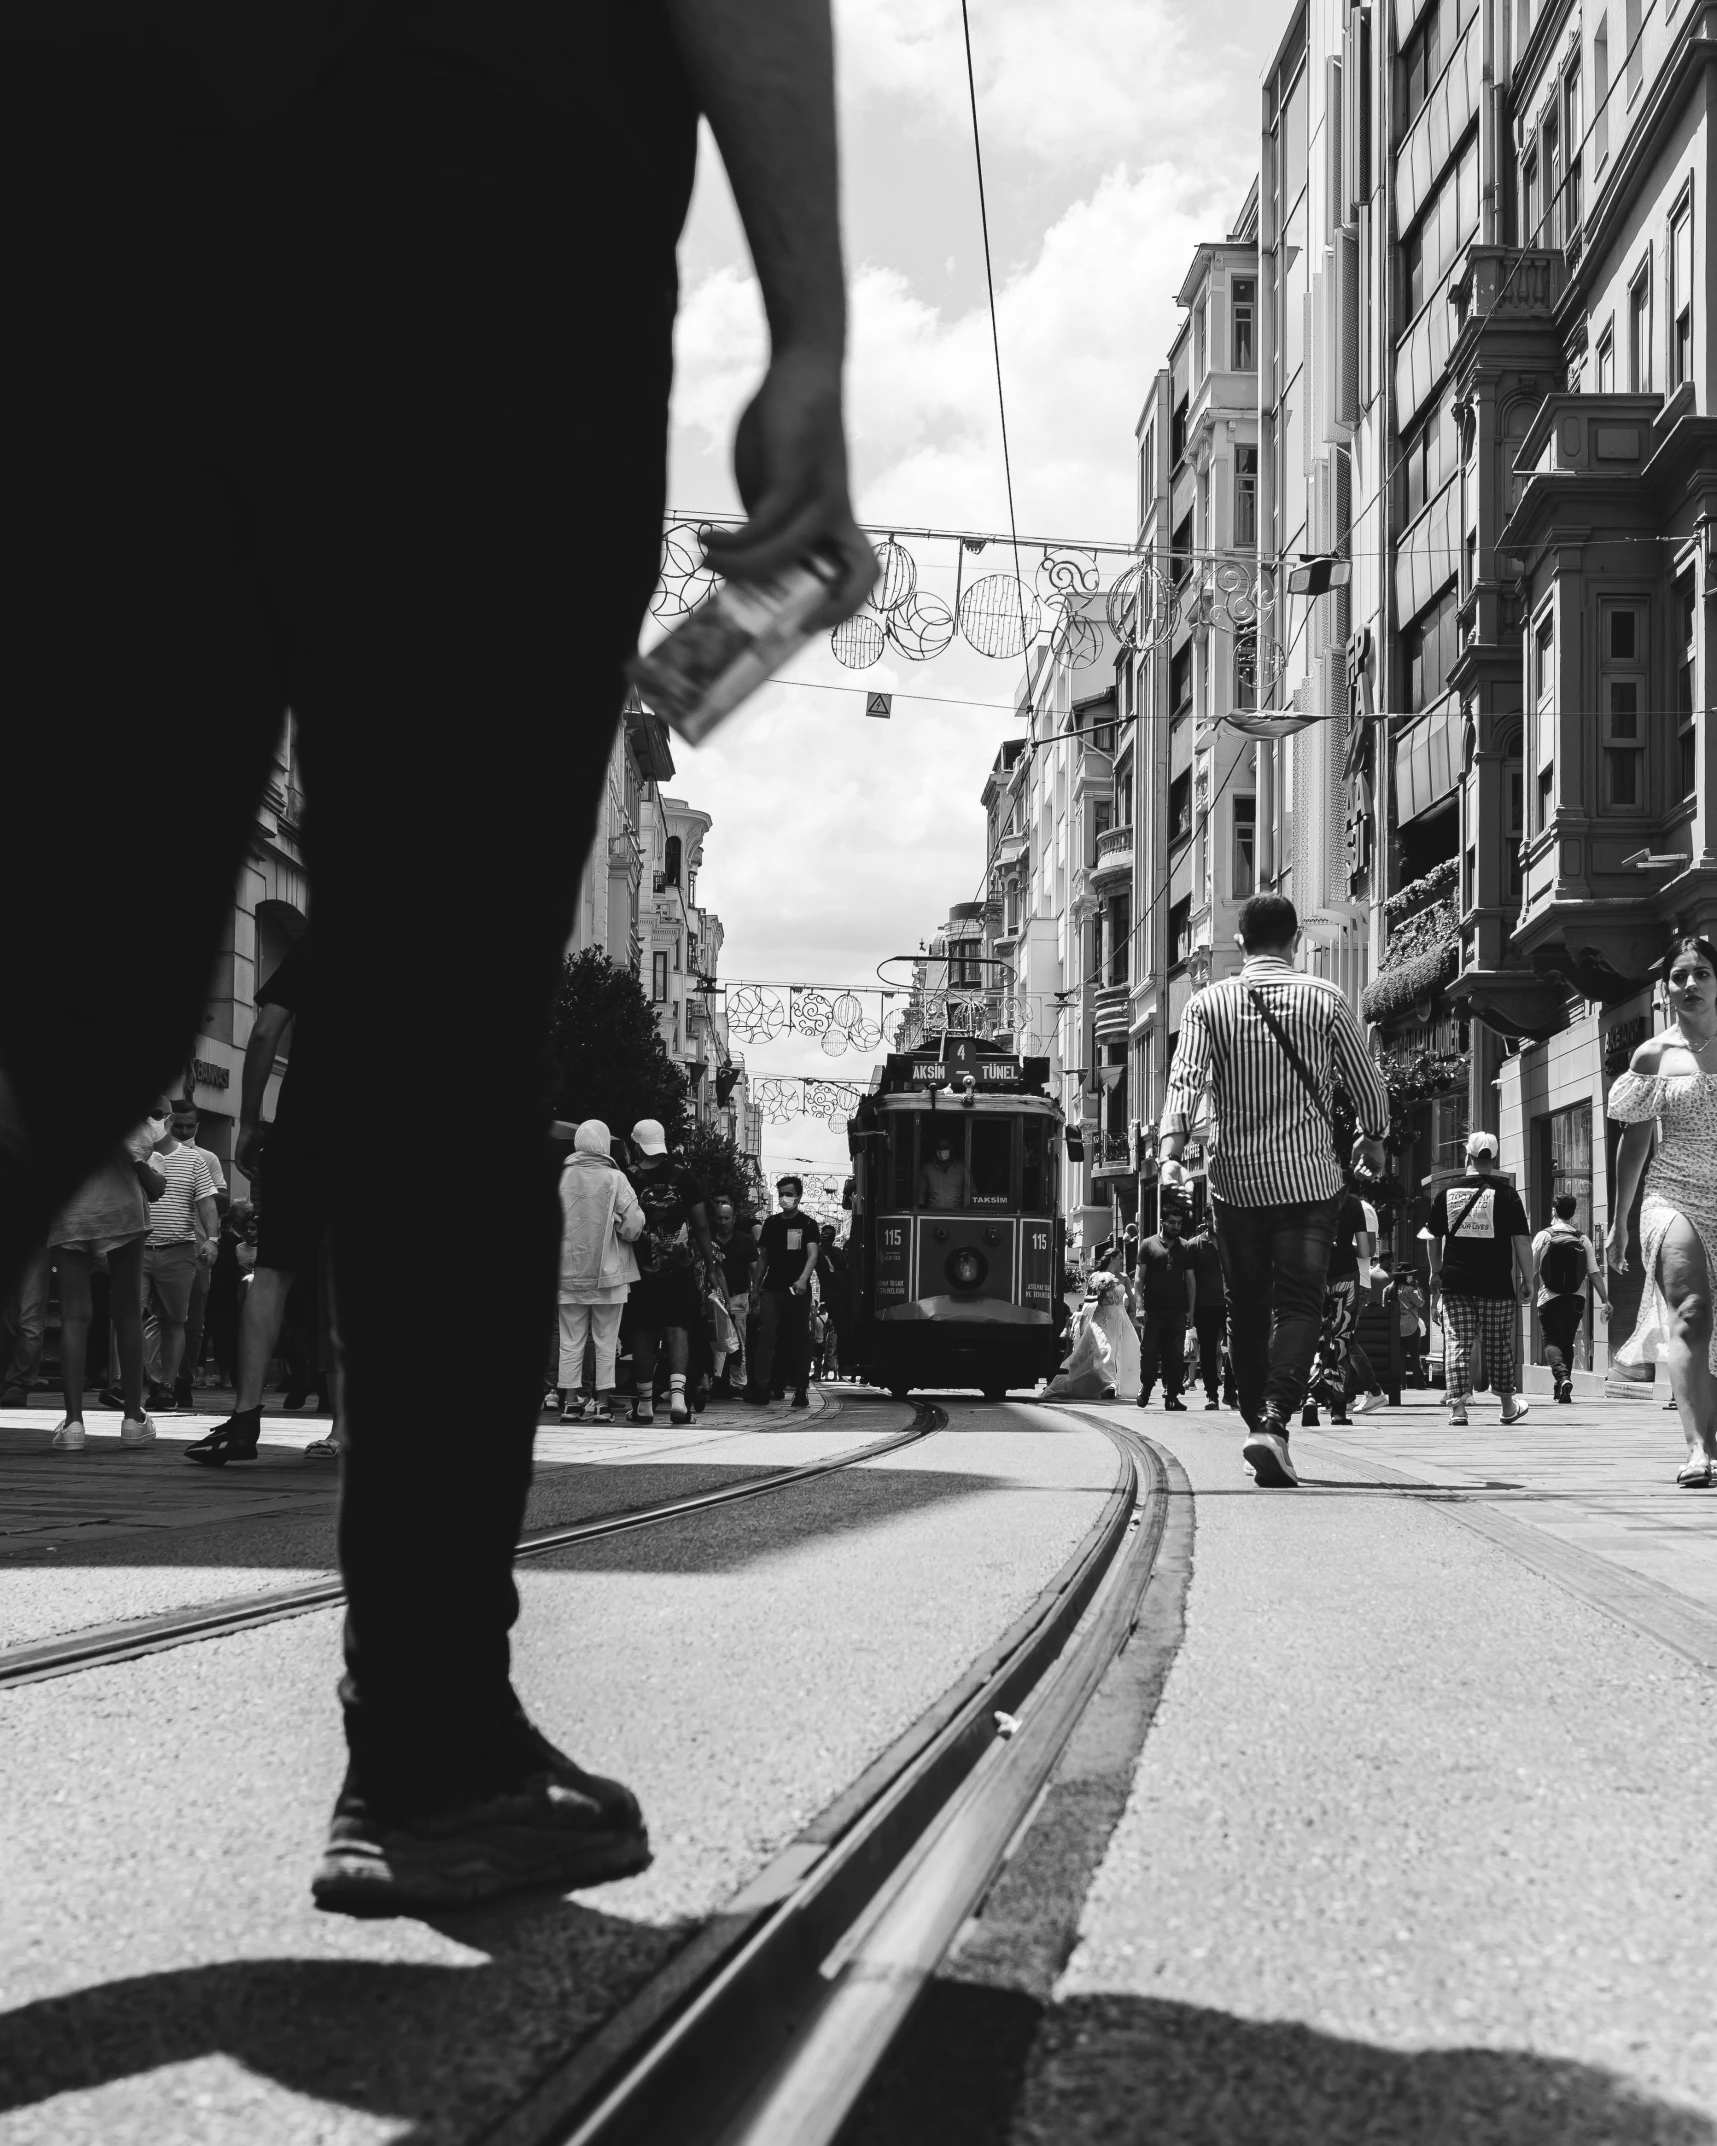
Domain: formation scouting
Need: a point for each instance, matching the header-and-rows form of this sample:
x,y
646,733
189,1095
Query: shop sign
x,y
208,1075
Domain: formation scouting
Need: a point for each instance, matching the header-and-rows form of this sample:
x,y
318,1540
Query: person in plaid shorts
x,y
1481,1267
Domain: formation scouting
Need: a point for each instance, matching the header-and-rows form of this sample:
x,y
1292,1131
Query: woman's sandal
x,y
236,1439
1696,1474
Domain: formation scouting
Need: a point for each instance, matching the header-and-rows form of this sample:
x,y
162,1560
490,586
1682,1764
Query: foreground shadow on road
x,y
447,2049
982,2066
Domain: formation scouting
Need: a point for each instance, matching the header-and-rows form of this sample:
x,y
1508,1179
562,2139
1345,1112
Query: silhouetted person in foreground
x,y
325,386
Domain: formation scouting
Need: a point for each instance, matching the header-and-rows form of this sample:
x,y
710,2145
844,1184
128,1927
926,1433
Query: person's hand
x,y
1524,1288
251,1140
790,462
152,1181
1368,1155
1616,1245
1171,1171
208,1251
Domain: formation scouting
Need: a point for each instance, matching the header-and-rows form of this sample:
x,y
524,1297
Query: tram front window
x,y
944,1180
992,1162
1037,1192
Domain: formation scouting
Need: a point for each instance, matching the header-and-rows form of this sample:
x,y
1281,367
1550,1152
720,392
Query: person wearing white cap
x,y
674,1250
600,1221
1481,1268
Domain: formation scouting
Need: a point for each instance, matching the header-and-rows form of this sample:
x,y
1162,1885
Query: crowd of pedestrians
x,y
705,1302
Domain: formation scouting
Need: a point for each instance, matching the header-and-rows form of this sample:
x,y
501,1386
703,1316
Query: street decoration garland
x,y
1000,615
783,1096
836,1020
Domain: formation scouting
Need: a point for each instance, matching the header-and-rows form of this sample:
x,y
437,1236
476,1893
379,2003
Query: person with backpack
x,y
1268,1044
1563,1259
1481,1264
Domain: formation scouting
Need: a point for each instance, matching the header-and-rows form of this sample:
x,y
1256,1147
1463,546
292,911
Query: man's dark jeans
x,y
1560,1320
1210,1322
783,1356
362,413
1275,1260
1162,1353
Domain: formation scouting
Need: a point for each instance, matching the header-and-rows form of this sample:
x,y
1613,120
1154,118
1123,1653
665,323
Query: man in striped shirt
x,y
1267,1044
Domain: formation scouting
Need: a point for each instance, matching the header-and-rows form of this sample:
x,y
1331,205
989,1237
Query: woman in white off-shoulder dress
x,y
1670,1091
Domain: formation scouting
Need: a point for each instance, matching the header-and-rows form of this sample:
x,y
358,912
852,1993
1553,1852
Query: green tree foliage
x,y
714,1159
608,1055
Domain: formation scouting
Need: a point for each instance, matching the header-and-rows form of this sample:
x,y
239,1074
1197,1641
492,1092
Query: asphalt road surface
x,y
1391,1824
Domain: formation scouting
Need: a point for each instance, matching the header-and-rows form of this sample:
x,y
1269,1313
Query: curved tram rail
x,y
767,2028
102,1644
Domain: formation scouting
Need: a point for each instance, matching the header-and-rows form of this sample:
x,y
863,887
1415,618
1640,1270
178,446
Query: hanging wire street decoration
x,y
837,1021
686,581
755,1014
922,629
858,641
798,1095
1000,616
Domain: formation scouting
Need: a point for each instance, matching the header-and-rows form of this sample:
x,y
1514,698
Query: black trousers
x,y
363,414
1275,1260
1210,1321
1560,1320
1162,1353
783,1355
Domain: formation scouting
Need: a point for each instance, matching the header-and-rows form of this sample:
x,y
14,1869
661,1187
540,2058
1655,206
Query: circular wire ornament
x,y
1000,616
810,1012
847,1011
1233,596
1077,641
834,1042
897,580
754,1015
921,629
686,579
1067,573
859,641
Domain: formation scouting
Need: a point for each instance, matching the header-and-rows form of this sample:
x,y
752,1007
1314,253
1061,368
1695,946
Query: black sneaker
x,y
111,1397
1174,1401
235,1439
1266,1454
558,1828
801,1399
183,1394
160,1400
1209,1405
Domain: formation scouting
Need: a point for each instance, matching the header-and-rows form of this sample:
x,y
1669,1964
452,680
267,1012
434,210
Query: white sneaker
x,y
1363,1403
1458,1416
1515,1408
137,1431
68,1435
1266,1454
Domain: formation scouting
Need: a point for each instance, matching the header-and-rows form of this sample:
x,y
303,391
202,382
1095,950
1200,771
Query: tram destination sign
x,y
928,1069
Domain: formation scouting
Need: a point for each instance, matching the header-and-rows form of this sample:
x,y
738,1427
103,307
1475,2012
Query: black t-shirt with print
x,y
289,987
667,1197
1477,1220
1344,1253
738,1256
787,1243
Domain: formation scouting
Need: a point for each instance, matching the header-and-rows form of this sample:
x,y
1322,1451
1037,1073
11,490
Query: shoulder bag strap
x,y
1294,1059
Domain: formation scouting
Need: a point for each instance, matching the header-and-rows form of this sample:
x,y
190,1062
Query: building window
x,y
1180,684
1607,360
1552,178
1242,879
1180,552
1246,665
1245,308
1422,61
1147,471
1514,834
1245,497
1601,93
1432,644
1635,62
659,978
1681,292
1433,455
1623,706
1686,666
1530,207
1177,432
1120,936
1180,931
1639,330
1571,135
1448,220
1544,707
1200,340
1180,809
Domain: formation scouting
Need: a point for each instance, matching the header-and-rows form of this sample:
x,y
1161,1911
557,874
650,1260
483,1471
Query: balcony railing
x,y
1112,1010
1114,854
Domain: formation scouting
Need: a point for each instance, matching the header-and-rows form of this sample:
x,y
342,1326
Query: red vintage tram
x,y
963,1295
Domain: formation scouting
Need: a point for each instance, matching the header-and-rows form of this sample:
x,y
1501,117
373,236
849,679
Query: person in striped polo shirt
x,y
1268,1044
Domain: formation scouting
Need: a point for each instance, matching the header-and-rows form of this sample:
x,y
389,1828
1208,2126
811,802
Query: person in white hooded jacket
x,y
600,1220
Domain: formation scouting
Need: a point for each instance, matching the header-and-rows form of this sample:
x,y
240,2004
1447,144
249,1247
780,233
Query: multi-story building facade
x,y
1189,854
610,913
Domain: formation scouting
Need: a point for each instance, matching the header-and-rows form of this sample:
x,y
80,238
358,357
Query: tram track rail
x,y
767,2027
101,1645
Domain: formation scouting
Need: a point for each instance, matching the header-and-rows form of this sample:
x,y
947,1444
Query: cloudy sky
x,y
1117,134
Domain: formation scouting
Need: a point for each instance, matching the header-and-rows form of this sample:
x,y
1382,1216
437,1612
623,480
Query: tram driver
x,y
942,1182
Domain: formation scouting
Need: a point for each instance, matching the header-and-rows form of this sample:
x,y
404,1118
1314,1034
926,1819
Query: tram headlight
x,y
967,1267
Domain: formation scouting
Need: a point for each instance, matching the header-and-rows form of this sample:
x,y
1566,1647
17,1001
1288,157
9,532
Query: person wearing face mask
x,y
787,1255
942,1181
1669,1093
108,1218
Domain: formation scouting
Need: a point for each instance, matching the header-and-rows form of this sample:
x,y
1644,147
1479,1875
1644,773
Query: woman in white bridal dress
x,y
1103,1343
